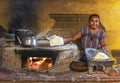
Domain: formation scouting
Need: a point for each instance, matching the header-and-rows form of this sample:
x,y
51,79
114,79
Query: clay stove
x,y
13,56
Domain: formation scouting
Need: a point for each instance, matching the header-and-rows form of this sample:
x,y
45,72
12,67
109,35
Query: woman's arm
x,y
104,45
73,38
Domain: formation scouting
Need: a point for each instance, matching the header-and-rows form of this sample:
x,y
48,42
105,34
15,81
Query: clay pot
x,y
78,66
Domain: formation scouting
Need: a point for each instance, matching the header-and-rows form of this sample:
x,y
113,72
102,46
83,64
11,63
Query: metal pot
x,y
19,35
29,41
25,38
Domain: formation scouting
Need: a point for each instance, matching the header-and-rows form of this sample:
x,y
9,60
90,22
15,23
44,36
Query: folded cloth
x,y
56,41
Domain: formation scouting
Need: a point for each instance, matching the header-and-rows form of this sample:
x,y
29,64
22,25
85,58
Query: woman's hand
x,y
105,49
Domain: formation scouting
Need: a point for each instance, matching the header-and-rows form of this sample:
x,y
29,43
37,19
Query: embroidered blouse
x,y
90,40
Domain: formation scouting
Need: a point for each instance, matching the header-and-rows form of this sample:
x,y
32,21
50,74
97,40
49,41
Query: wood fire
x,y
38,63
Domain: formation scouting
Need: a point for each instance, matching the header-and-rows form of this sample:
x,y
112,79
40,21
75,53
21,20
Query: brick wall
x,y
67,25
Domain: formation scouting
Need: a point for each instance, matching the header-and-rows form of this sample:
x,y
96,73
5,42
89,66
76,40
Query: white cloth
x,y
100,56
56,41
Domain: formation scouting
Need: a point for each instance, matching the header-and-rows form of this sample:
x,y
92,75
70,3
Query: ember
x,y
38,63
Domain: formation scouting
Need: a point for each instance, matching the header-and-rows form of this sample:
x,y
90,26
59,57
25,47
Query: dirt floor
x,y
96,76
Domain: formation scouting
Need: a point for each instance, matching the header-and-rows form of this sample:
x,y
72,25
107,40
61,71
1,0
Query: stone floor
x,y
7,76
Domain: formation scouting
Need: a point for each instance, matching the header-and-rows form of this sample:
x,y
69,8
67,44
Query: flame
x,y
36,63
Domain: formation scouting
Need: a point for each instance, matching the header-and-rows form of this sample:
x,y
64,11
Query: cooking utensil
x,y
29,41
48,37
78,66
25,38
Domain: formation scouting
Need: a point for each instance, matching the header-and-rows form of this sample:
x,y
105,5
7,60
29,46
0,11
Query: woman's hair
x,y
94,15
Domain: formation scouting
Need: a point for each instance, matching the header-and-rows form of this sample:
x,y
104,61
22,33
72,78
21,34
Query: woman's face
x,y
94,22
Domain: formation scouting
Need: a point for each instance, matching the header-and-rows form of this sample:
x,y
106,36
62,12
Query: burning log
x,y
40,64
46,64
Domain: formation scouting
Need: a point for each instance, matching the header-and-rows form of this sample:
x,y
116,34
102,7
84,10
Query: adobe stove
x,y
40,58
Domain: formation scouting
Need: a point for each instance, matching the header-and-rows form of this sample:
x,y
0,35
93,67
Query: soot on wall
x,y
22,15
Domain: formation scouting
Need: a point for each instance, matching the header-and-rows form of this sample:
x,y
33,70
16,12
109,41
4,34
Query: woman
x,y
91,36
